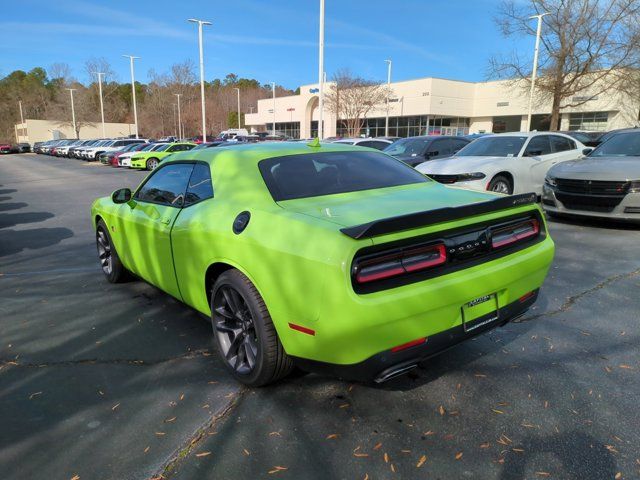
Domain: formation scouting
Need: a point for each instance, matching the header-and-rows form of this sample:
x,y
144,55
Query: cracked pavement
x,y
119,382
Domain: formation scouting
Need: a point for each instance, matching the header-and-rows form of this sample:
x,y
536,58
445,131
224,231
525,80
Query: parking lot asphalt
x,y
119,382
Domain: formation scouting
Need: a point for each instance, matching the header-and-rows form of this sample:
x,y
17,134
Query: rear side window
x,y
328,173
374,144
199,187
167,185
561,144
538,145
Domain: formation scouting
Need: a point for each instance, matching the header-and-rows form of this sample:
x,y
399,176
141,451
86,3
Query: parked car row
x,y
15,148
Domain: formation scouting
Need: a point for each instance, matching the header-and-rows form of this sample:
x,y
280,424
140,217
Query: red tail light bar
x,y
399,263
504,236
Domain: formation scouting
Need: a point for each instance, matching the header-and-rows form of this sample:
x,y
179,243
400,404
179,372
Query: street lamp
x,y
133,92
386,124
22,127
535,65
273,87
320,74
175,128
204,118
238,90
179,118
99,74
73,112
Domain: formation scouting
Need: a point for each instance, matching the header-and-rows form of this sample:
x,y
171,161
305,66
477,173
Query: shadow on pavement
x,y
15,241
5,207
12,219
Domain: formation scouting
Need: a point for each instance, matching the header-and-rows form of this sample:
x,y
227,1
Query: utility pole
x,y
21,120
133,92
204,118
320,74
99,74
273,87
238,90
73,112
386,125
175,125
179,117
535,65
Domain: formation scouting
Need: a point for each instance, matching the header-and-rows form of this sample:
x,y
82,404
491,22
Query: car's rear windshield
x,y
507,146
328,173
619,145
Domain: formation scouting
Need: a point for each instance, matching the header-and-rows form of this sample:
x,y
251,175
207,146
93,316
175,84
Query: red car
x,y
6,148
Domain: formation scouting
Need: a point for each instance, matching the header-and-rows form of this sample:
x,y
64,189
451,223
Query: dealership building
x,y
32,131
438,106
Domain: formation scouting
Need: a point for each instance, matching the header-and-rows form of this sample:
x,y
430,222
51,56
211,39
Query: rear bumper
x,y
389,364
627,210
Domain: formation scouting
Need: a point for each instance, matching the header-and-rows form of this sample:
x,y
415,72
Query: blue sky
x,y
271,40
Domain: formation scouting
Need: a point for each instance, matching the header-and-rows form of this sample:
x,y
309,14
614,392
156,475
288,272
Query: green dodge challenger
x,y
150,160
334,258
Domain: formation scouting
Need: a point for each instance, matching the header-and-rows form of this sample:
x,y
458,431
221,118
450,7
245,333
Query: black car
x,y
588,139
416,150
24,147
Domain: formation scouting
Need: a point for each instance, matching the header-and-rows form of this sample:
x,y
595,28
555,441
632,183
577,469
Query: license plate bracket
x,y
479,312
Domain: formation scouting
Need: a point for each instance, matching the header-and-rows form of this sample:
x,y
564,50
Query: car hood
x,y
599,168
457,164
355,208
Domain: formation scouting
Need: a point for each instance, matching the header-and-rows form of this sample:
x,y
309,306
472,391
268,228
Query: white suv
x,y
92,153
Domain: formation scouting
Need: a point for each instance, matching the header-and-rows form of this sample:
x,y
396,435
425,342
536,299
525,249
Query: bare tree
x,y
351,98
587,47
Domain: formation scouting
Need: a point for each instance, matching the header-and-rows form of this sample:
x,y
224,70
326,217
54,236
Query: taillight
x,y
394,264
504,236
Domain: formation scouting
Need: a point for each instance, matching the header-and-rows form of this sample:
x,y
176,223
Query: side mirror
x,y
122,195
587,151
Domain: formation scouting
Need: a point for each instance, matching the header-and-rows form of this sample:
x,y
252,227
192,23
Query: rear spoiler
x,y
430,217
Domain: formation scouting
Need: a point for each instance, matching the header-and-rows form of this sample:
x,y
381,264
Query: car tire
x,y
108,256
152,164
244,334
500,184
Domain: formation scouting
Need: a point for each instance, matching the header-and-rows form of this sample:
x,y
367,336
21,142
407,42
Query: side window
x,y
119,143
538,145
439,148
167,185
199,185
458,144
561,144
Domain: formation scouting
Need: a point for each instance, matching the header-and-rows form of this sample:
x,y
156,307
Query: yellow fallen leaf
x,y
115,406
378,445
423,459
75,477
246,452
333,435
441,410
169,420
147,449
618,476
485,445
497,411
386,458
628,367
203,454
359,455
543,474
519,450
458,455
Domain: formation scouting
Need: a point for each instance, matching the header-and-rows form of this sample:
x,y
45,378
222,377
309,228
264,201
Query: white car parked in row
x,y
505,163
377,143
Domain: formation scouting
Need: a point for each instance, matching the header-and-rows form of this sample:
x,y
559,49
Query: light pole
x,y
320,74
99,74
238,90
179,117
535,65
21,120
273,87
73,112
204,118
386,124
175,128
133,92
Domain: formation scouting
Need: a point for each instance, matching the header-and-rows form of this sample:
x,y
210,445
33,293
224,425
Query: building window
x,y
589,121
288,129
410,126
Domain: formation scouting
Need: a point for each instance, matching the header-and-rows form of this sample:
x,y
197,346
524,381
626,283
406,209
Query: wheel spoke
x,y
223,312
233,347
228,296
227,328
250,352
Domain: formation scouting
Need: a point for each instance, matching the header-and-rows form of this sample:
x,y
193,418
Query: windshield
x,y
149,147
506,146
619,145
316,174
408,146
